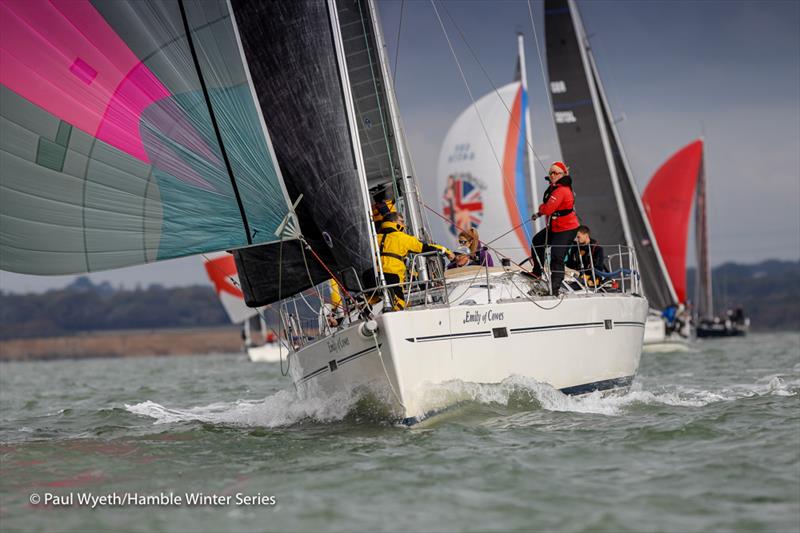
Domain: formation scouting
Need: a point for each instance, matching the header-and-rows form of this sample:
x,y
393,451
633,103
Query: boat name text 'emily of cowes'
x,y
476,317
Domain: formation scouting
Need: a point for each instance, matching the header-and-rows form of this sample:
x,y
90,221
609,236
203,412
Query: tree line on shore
x,y
769,292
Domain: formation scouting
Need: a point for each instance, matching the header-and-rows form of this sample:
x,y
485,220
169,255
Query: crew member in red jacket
x,y
558,205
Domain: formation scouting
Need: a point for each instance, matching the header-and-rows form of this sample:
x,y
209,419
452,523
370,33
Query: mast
x,y
406,166
704,303
528,135
583,46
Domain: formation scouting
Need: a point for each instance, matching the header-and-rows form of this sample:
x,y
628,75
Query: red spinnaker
x,y
668,203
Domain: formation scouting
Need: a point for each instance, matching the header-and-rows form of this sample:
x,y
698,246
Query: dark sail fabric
x,y
583,147
656,282
289,47
577,127
129,135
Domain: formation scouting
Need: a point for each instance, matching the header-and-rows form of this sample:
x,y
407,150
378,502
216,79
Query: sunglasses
x,y
462,241
555,172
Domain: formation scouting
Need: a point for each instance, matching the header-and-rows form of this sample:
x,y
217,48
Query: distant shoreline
x,y
125,343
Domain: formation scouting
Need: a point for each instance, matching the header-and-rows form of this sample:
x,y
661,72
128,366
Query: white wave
x,y
606,403
286,408
281,409
516,388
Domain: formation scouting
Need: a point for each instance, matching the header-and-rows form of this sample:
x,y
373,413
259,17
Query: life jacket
x,y
394,245
566,181
562,219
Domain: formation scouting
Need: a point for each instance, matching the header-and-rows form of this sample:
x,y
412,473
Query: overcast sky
x,y
673,69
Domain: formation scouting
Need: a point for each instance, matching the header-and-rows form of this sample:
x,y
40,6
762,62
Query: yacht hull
x,y
578,344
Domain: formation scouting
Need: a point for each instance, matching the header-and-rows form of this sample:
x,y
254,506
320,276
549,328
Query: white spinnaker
x,y
467,158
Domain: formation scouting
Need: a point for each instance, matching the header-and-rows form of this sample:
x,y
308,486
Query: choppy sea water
x,y
707,440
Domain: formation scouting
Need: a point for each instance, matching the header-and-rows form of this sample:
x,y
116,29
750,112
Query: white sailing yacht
x,y
261,128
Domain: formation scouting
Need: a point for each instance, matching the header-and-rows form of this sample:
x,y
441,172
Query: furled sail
x,y
668,201
607,197
296,73
130,134
479,193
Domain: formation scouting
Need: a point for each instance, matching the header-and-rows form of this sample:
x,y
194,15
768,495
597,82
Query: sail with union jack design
x,y
484,170
463,205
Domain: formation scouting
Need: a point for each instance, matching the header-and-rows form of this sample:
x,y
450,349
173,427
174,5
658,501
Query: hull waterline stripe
x,y
582,325
314,374
514,331
606,384
449,336
356,355
339,362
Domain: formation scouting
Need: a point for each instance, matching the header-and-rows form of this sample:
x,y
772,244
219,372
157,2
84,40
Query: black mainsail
x,y
608,200
323,82
291,49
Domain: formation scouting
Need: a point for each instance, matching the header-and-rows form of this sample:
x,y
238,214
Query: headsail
x,y
607,197
476,191
130,134
668,202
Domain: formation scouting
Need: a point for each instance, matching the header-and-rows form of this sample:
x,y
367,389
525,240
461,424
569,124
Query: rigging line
x,y
280,311
378,101
214,122
526,221
397,45
310,279
495,250
328,270
475,106
497,92
541,68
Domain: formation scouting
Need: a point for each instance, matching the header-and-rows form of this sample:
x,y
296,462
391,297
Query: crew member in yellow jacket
x,y
393,246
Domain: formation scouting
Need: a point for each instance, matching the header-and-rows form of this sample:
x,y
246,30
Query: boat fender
x,y
368,329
